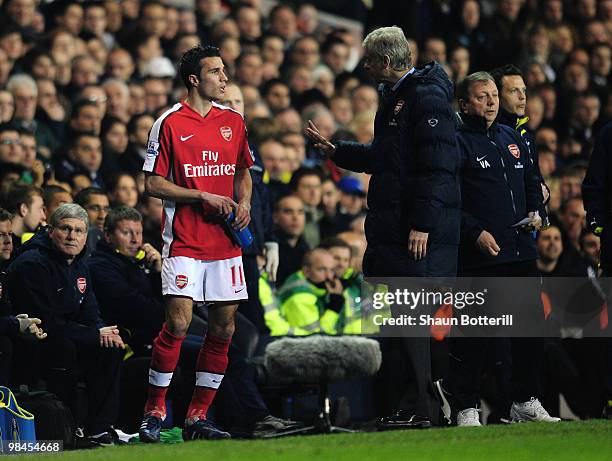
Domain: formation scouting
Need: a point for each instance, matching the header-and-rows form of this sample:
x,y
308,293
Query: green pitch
x,y
585,440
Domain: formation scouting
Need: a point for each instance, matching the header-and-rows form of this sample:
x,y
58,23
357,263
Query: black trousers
x,y
413,352
522,356
62,364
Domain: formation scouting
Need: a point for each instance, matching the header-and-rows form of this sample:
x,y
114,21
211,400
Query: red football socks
x,y
210,369
166,352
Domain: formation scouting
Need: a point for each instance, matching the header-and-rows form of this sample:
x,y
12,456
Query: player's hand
x,y
417,244
320,141
221,204
487,244
109,337
152,257
243,215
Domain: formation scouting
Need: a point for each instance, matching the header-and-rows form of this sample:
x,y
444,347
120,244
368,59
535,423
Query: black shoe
x,y
403,419
271,425
150,429
204,429
444,397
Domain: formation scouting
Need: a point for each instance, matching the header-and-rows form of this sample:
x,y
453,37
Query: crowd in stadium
x,y
81,85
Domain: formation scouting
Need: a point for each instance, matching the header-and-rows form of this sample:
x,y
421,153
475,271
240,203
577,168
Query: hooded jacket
x,y
414,164
499,187
43,284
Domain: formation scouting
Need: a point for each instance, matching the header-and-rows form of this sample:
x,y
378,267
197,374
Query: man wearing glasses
x,y
50,280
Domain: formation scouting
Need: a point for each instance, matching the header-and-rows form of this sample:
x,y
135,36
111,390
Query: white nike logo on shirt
x,y
478,159
185,138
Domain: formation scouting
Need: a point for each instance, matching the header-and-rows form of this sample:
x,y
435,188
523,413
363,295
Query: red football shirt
x,y
200,153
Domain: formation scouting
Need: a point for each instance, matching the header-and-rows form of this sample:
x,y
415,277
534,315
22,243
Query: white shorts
x,y
220,280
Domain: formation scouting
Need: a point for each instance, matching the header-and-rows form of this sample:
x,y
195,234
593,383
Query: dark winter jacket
x,y
128,293
43,284
414,164
499,187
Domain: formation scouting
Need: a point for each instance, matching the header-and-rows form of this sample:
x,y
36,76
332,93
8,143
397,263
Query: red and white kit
x,y
200,153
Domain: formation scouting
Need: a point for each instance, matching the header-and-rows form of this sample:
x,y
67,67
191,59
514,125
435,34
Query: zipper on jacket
x,y
501,157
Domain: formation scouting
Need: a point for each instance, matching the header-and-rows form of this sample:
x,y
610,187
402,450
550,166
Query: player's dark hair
x,y
191,62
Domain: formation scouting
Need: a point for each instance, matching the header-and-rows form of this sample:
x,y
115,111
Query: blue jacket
x,y
129,296
42,284
499,186
414,164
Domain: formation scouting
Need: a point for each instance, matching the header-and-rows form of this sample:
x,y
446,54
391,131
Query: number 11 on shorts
x,y
237,275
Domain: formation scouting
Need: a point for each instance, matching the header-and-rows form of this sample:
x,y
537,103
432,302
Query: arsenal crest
x,y
514,150
181,281
82,284
398,106
226,132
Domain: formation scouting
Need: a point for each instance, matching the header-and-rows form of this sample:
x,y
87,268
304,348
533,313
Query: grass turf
x,y
582,440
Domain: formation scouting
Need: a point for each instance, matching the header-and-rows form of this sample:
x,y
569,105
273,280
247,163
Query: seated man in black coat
x,y
50,277
126,277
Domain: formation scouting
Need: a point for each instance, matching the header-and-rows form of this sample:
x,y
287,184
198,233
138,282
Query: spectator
x,y
118,95
7,105
85,117
97,95
434,50
26,205
573,221
283,22
54,197
311,299
84,157
335,54
78,340
156,95
122,190
276,94
289,218
95,202
25,93
306,185
10,145
138,129
364,98
120,64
